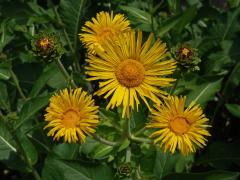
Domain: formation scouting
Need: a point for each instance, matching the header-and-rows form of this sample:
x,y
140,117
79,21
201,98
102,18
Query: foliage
x,y
26,83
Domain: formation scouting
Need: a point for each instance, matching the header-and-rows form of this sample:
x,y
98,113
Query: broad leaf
x,y
29,149
231,23
57,80
169,24
234,109
178,22
140,19
218,62
101,151
46,75
4,74
186,17
66,151
166,163
138,14
66,170
198,89
31,107
6,143
71,12
4,103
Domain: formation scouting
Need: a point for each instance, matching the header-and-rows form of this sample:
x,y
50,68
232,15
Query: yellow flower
x,y
179,128
71,114
103,26
129,70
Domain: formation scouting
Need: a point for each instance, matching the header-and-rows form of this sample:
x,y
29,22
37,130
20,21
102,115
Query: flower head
x,y
186,56
129,70
124,170
71,114
104,25
179,128
47,45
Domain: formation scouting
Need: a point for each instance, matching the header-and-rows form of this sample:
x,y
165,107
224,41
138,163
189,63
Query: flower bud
x,y
47,46
186,56
124,170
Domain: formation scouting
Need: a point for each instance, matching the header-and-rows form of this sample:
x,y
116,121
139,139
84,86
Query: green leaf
x,y
186,17
232,82
231,23
211,175
138,14
4,74
204,92
161,166
139,19
183,162
168,25
234,3
178,22
5,148
66,151
31,107
199,89
101,151
6,37
29,149
6,144
234,109
53,169
4,103
57,80
124,145
71,12
46,75
218,62
166,163
66,170
139,117
89,146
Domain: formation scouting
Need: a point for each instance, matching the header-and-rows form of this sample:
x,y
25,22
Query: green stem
x,y
16,82
173,89
141,140
151,11
128,155
132,137
140,131
129,134
65,73
104,141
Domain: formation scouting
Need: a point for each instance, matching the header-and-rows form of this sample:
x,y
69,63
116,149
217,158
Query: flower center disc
x,y
71,118
104,32
44,43
185,51
130,73
179,125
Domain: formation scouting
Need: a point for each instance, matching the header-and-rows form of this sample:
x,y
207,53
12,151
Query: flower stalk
x,y
65,73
